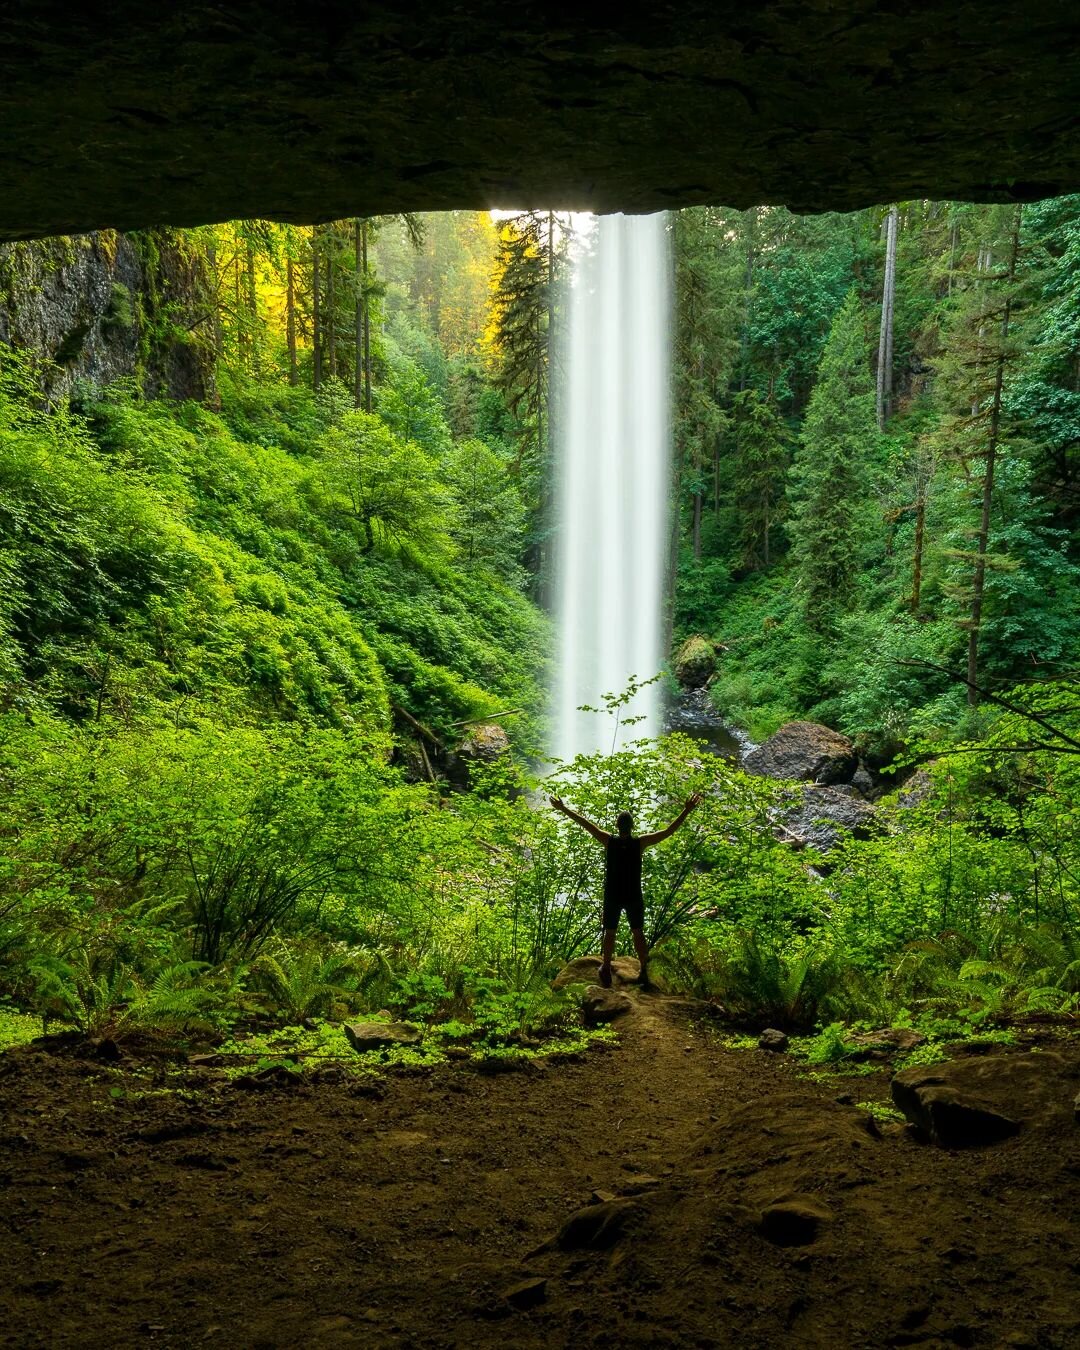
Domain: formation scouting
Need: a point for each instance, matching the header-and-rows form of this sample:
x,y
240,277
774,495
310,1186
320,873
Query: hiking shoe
x,y
604,976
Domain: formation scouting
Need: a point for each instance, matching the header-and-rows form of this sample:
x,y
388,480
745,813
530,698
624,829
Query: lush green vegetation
x,y
239,643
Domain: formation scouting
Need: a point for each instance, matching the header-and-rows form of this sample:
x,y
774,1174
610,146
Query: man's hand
x,y
557,803
695,799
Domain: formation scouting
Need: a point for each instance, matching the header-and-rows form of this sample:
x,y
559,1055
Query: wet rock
x,y
526,1294
771,1039
794,1220
603,1005
806,751
862,780
694,714
364,1036
695,662
823,816
972,1102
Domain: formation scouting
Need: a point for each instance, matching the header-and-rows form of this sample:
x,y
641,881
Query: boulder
x,y
596,1227
603,1005
915,790
585,969
771,1039
885,1042
806,751
364,1036
823,816
481,744
526,1294
969,1102
695,662
794,1220
862,780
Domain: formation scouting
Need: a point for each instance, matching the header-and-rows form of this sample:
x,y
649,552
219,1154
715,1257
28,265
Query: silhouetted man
x,y
622,878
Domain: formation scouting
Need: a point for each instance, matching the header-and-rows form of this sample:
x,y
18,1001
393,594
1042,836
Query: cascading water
x,y
613,439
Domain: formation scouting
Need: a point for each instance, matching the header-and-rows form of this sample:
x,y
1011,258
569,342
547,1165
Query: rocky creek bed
x,y
667,1190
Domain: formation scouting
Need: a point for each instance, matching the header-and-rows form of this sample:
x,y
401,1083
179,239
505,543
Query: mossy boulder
x,y
695,662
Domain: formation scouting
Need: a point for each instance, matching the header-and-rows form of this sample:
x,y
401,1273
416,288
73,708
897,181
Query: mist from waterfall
x,y
613,438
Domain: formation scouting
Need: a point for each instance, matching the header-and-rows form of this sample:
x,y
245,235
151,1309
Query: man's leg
x,y
607,951
642,949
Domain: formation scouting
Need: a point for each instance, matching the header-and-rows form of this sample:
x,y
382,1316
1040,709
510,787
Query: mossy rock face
x,y
695,662
419,107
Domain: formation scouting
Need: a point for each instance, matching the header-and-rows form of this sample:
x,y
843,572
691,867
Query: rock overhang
x,y
130,115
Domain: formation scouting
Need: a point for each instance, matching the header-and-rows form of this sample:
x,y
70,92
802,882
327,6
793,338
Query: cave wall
x,y
99,307
130,115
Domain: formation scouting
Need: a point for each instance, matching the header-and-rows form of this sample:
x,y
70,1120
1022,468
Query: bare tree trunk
x,y
316,313
219,336
922,487
253,308
238,310
748,287
290,318
979,580
331,308
358,315
367,318
885,340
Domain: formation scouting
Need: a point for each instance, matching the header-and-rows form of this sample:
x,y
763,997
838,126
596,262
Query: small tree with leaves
x,y
388,487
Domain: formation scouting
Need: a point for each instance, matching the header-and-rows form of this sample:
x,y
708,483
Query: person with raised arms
x,y
622,878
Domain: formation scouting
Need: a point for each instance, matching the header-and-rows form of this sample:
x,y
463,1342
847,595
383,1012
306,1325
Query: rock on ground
x,y
794,1220
526,1294
596,1227
482,744
695,662
600,1005
968,1102
824,815
584,970
771,1039
885,1042
364,1036
806,751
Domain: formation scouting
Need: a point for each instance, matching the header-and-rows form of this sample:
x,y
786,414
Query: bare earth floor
x,y
401,1214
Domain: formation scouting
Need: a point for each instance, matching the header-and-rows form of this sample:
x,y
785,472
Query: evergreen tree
x,y
761,461
831,473
981,342
710,271
522,330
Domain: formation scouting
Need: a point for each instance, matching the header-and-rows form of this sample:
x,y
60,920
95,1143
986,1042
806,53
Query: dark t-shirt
x,y
622,869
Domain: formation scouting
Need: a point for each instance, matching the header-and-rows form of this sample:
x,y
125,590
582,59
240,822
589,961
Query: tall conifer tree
x,y
830,476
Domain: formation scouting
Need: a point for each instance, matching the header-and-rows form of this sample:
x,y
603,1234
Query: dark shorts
x,y
614,906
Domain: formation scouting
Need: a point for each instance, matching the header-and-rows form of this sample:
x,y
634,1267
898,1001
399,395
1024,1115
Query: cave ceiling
x,y
128,115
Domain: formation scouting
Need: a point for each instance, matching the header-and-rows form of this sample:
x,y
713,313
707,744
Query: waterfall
x,y
613,434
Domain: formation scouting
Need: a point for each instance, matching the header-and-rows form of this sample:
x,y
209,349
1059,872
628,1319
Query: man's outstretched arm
x,y
691,802
597,833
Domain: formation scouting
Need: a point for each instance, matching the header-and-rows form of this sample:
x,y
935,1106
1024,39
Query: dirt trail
x,y
398,1216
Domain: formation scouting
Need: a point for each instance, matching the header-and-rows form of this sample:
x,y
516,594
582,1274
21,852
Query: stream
x,y
694,714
